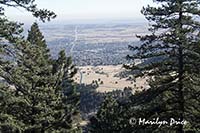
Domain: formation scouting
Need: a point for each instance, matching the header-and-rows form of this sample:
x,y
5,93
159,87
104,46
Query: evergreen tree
x,y
10,31
43,98
171,61
113,115
28,75
106,119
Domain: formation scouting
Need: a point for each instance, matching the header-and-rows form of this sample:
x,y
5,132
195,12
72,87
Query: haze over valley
x,y
96,44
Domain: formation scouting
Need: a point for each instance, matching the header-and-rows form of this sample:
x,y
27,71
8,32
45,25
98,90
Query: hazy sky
x,y
86,10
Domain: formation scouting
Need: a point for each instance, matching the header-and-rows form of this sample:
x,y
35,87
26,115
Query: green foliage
x,y
30,6
113,114
170,57
106,119
42,97
171,61
37,93
10,32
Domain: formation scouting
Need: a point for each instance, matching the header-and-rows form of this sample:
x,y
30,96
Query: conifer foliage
x,y
172,56
30,6
42,97
106,119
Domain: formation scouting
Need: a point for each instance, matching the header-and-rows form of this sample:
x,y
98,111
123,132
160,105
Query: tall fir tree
x,y
10,31
171,53
10,34
43,97
171,60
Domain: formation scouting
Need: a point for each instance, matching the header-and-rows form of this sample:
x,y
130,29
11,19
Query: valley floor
x,y
108,78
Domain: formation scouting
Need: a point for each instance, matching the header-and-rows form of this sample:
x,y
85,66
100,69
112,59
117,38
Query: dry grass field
x,y
107,79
